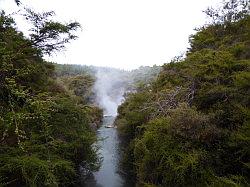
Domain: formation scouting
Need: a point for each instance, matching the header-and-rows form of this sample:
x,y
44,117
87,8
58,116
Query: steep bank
x,y
191,126
45,129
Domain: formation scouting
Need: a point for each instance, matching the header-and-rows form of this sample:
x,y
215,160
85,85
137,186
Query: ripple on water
x,y
108,175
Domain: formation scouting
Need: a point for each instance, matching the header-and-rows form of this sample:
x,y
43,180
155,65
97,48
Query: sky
x,y
123,34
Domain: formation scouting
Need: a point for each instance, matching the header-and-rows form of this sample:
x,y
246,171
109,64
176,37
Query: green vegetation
x,y
79,81
128,80
45,132
191,126
188,127
143,75
62,70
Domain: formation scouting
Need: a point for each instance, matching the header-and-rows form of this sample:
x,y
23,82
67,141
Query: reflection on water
x,y
108,175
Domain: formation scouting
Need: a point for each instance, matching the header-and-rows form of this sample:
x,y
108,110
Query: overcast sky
x,y
124,33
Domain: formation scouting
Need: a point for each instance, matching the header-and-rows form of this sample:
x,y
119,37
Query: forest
x,y
45,122
185,123
191,126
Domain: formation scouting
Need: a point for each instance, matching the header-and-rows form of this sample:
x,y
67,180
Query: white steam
x,y
109,90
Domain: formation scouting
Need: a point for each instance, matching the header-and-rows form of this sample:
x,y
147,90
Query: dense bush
x,y
191,126
45,132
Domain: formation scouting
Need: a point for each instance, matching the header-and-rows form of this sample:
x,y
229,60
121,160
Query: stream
x,y
108,175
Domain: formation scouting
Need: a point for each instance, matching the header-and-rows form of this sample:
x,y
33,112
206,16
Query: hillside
x,y
45,127
191,126
185,123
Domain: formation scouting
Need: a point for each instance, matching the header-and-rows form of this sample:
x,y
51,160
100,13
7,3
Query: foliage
x,y
63,70
48,35
191,126
45,134
144,75
79,81
231,11
80,86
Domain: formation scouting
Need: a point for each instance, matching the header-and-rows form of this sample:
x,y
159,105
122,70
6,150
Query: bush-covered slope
x,y
44,131
79,84
191,126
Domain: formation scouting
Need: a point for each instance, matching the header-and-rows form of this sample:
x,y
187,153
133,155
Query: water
x,y
108,175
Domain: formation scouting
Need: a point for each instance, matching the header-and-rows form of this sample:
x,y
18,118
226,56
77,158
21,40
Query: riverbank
x,y
108,174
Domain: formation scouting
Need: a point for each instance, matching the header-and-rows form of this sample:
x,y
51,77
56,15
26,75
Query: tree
x,y
192,126
231,11
45,134
47,35
18,2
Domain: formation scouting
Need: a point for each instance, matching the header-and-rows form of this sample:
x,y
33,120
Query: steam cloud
x,y
109,89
